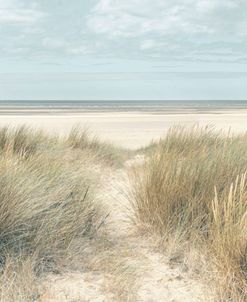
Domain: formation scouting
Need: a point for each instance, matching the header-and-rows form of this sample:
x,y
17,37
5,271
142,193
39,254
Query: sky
x,y
123,49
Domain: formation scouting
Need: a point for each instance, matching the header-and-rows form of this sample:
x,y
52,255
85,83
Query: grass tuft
x,y
81,138
48,210
194,184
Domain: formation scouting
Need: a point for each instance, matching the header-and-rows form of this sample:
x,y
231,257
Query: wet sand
x,y
130,129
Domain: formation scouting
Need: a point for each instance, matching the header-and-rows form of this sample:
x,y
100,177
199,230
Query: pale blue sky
x,y
123,49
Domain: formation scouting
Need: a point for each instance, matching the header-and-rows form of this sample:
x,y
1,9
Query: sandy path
x,y
157,280
137,272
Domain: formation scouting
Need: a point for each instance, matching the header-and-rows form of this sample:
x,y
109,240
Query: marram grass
x,y
47,204
193,186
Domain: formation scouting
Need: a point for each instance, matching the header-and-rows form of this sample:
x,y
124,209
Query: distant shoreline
x,y
140,106
156,110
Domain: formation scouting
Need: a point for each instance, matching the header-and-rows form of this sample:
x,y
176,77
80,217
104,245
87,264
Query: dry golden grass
x,y
23,140
228,240
193,187
18,280
48,211
191,190
81,138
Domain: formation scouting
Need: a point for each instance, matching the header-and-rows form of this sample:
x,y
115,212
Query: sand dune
x,y
142,273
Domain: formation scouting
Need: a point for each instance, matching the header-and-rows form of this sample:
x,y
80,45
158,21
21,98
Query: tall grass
x,y
81,138
173,192
228,240
22,140
43,205
47,204
18,280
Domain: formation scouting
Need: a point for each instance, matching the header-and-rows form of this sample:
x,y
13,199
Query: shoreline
x,y
155,110
79,113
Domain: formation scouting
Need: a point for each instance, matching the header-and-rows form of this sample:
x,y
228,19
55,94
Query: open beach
x,y
130,128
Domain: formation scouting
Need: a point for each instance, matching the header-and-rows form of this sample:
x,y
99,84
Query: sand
x,y
128,129
138,271
141,272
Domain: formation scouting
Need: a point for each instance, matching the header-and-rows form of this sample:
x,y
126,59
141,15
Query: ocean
x,y
147,105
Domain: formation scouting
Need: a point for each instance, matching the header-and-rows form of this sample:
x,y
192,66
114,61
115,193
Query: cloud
x,y
19,16
54,44
178,26
211,5
11,12
148,44
165,30
139,17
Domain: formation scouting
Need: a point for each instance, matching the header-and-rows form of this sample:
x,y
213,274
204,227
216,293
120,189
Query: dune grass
x,y
18,280
81,138
191,190
193,186
47,204
21,140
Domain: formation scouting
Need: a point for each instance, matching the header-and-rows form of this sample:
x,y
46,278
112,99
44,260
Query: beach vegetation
x,y
193,187
48,208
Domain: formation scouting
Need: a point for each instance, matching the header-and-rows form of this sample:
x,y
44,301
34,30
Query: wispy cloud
x,y
178,26
11,12
171,30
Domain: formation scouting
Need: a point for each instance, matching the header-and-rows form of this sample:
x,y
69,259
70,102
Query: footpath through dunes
x,y
122,265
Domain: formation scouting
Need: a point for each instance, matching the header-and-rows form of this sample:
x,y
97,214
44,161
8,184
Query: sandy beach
x,y
128,129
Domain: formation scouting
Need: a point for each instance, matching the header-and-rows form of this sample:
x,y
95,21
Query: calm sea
x,y
123,105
